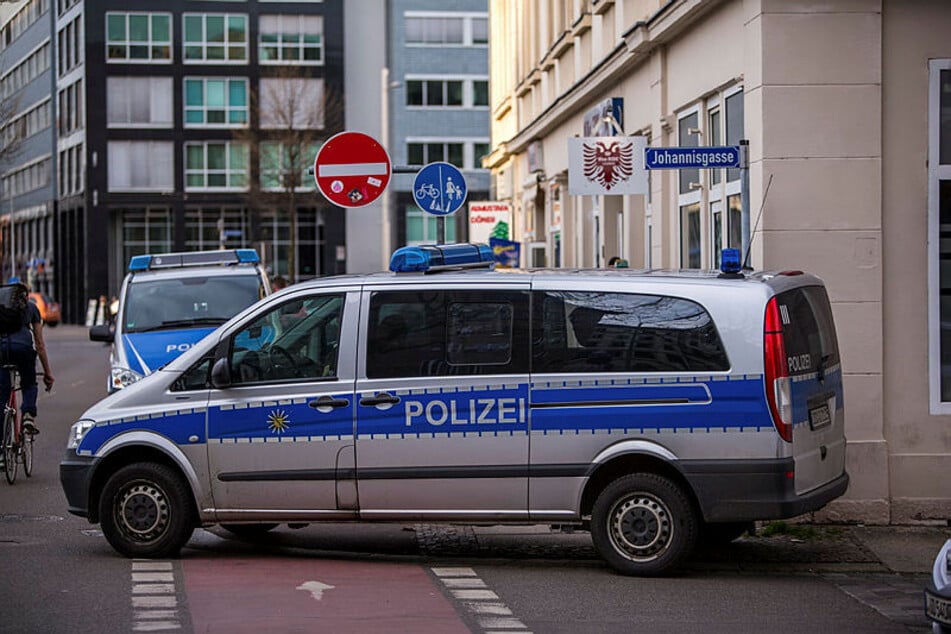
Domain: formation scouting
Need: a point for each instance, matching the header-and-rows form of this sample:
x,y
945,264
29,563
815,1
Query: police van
x,y
169,301
650,407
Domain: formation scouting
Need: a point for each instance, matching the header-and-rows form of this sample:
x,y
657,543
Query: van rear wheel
x,y
146,510
643,524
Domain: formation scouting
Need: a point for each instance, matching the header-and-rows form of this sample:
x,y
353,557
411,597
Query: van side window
x,y
294,341
443,333
622,332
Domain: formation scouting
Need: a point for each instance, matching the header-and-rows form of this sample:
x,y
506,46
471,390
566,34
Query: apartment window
x,y
280,161
70,46
141,166
291,38
139,102
22,20
35,119
145,230
688,135
422,227
203,227
939,234
220,37
447,92
690,236
72,169
139,37
216,165
295,103
31,67
429,29
216,102
425,153
716,137
27,178
71,109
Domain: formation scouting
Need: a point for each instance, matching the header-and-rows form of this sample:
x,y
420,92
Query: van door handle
x,y
329,402
380,398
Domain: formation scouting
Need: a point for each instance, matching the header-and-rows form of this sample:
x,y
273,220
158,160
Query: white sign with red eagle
x,y
601,165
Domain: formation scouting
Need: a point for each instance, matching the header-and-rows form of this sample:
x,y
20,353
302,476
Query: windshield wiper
x,y
178,323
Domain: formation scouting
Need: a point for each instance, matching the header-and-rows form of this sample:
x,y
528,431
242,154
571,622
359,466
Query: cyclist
x,y
22,349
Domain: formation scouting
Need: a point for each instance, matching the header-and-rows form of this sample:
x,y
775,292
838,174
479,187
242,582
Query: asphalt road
x,y
59,575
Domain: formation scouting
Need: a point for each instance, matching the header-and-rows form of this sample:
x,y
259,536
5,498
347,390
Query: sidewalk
x,y
813,547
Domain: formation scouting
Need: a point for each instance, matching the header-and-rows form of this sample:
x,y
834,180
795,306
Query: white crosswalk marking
x,y
154,600
493,616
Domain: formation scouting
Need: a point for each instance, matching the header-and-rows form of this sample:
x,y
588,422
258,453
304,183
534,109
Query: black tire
x,y
9,448
722,533
28,454
643,524
146,510
249,531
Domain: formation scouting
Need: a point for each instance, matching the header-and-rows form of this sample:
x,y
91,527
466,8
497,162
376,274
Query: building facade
x,y
847,110
184,126
27,144
438,95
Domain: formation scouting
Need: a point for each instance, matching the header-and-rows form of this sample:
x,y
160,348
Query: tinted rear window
x,y
622,332
808,329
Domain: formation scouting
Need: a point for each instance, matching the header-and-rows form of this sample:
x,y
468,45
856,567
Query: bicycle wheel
x,y
9,446
27,448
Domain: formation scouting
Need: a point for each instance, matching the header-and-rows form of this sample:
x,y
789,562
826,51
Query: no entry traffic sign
x,y
352,169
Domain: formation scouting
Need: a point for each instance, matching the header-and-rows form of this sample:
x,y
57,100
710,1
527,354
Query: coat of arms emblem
x,y
608,163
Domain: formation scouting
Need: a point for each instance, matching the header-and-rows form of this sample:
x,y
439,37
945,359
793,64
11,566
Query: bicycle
x,y
17,445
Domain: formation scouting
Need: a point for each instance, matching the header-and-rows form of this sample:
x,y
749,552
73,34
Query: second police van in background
x,y
651,407
169,301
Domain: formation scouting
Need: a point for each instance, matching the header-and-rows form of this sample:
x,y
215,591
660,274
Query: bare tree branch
x,y
290,118
12,131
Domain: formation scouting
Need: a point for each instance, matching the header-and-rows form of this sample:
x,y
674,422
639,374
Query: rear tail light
x,y
778,384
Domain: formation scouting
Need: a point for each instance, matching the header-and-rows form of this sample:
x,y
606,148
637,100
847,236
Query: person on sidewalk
x,y
21,348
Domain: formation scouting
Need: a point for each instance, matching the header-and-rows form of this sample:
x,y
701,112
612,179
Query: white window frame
x,y
141,154
227,45
155,95
468,148
300,18
228,108
150,43
468,91
307,182
466,17
936,174
228,171
692,197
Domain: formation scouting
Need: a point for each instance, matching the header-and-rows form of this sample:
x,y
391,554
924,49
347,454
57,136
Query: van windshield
x,y
189,302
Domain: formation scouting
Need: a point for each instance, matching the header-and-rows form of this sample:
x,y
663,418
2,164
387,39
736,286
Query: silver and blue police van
x,y
649,407
168,302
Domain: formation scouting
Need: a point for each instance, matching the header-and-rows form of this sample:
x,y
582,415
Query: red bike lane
x,y
274,594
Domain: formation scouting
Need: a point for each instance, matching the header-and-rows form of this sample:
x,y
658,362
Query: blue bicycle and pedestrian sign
x,y
439,189
659,158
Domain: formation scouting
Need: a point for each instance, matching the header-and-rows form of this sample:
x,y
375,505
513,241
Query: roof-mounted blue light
x,y
139,263
730,262
435,257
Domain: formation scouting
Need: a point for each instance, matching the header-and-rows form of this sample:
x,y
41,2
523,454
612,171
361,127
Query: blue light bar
x,y
730,261
139,263
434,257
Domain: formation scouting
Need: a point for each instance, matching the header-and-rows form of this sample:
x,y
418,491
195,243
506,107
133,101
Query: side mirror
x,y
102,332
221,373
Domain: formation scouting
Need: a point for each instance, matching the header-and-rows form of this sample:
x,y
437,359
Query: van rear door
x,y
807,383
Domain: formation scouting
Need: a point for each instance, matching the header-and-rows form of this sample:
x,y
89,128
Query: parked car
x,y
170,301
938,592
49,309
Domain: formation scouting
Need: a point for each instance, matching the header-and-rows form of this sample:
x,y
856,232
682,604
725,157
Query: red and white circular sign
x,y
352,169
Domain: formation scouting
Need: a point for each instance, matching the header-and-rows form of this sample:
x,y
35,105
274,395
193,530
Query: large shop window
x,y
939,235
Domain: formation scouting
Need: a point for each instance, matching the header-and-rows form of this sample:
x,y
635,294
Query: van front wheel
x,y
146,511
643,524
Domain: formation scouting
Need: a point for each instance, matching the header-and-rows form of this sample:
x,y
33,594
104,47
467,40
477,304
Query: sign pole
x,y
441,229
744,199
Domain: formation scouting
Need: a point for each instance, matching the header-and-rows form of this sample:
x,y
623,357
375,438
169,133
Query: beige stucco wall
x,y
919,443
836,110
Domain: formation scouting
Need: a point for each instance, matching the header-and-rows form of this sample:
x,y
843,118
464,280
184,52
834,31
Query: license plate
x,y
819,417
938,608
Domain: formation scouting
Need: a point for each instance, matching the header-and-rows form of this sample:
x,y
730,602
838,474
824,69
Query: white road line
x,y
154,597
493,616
